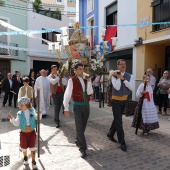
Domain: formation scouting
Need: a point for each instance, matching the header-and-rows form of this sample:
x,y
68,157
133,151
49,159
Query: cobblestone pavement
x,y
59,152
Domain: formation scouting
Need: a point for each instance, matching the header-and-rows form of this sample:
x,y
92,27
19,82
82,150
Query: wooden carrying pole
x,y
38,120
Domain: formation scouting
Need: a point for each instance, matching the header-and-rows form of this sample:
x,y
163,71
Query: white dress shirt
x,y
129,84
10,83
69,89
55,80
16,121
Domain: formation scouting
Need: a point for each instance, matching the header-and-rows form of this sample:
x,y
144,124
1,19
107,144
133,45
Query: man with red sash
x,y
79,90
57,84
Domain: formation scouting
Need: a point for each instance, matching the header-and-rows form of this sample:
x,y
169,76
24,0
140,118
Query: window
x,y
71,9
59,0
51,36
161,13
111,14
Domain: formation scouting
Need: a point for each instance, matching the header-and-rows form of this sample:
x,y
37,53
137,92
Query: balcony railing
x,y
9,51
48,13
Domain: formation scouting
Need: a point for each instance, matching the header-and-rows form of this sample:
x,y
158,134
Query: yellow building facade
x,y
154,51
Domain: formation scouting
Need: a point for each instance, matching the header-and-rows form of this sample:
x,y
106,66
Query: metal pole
x,y
38,120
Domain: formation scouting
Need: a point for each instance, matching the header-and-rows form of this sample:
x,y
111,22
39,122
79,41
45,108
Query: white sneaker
x,y
25,162
34,166
169,118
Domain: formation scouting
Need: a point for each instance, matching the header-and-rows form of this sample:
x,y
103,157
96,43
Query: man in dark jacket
x,y
7,88
1,79
17,83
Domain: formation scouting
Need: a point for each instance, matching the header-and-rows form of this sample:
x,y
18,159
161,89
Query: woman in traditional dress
x,y
150,119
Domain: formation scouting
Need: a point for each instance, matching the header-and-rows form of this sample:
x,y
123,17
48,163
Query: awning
x,y
110,32
8,57
122,53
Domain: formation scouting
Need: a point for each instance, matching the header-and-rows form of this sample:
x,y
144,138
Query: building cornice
x,y
157,39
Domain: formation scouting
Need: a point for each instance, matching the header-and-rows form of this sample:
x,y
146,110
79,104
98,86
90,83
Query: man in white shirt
x,y
43,83
57,84
123,83
7,88
79,90
152,78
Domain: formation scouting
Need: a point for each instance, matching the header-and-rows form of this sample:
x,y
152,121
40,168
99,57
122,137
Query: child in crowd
x,y
26,120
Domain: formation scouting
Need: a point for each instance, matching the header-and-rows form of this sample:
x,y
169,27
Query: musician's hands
x,y
143,92
118,76
67,113
39,112
121,77
9,116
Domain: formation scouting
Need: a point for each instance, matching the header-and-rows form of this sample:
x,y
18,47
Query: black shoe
x,y
3,105
57,124
44,116
83,154
10,105
76,142
123,147
111,138
15,107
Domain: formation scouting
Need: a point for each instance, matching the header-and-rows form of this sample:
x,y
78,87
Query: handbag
x,y
158,92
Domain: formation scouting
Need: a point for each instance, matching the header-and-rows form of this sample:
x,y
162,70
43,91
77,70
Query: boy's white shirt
x,y
16,121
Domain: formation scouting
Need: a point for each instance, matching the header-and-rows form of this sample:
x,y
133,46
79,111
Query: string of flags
x,y
30,32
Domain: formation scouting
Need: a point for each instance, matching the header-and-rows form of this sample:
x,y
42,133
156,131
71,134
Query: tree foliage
x,y
37,4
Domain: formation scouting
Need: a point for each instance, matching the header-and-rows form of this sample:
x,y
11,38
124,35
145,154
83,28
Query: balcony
x,y
5,51
51,14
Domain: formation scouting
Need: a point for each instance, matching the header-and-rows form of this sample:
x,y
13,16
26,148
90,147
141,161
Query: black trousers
x,y
97,92
8,96
163,101
58,102
118,108
81,115
15,99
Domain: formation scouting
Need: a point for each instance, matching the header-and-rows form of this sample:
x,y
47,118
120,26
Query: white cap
x,y
24,100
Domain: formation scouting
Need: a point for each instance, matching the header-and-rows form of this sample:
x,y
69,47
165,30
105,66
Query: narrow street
x,y
59,152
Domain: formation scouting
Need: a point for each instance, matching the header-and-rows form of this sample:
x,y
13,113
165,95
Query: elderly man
x,y
149,72
44,85
7,88
122,84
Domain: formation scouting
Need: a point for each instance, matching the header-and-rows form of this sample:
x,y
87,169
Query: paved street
x,y
59,152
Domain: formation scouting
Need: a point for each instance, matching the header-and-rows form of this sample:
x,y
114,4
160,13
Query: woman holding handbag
x,y
163,93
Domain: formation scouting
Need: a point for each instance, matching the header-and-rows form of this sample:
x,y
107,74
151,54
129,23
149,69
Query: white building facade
x,y
113,12
36,21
